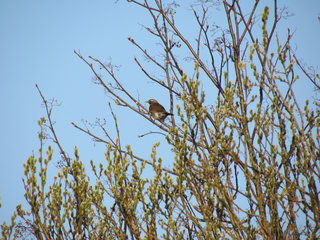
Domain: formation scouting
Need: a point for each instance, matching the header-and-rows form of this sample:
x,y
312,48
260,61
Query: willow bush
x,y
245,142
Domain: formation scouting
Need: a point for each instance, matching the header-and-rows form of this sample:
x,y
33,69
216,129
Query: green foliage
x,y
246,154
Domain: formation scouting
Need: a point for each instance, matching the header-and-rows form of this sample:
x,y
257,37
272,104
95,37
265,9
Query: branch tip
x,y
131,39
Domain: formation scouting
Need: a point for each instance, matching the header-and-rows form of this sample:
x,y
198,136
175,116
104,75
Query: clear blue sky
x,y
37,39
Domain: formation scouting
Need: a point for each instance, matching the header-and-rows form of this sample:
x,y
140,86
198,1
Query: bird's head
x,y
152,101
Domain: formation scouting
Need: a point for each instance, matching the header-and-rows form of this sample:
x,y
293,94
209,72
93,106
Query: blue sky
x,y
37,39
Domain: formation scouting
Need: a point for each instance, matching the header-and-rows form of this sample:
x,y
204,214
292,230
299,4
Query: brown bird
x,y
157,111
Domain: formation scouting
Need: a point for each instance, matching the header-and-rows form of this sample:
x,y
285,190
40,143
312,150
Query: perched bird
x,y
157,111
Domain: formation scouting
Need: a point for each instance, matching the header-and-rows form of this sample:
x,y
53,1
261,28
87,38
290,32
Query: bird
x,y
157,111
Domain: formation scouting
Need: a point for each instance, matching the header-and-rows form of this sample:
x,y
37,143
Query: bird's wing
x,y
157,107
